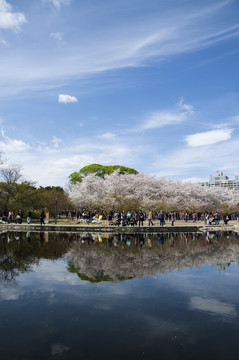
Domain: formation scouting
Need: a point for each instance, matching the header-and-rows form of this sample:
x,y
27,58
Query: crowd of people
x,y
141,218
12,217
127,218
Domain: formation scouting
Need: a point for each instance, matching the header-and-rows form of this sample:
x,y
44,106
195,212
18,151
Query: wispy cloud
x,y
234,119
159,119
107,135
58,3
186,107
66,99
123,45
58,349
10,293
208,137
9,19
3,42
184,161
57,35
213,306
56,141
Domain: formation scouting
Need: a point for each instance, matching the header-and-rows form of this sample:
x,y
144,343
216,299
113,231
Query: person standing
x,y
128,217
161,218
186,217
216,218
42,216
29,216
136,218
10,216
141,218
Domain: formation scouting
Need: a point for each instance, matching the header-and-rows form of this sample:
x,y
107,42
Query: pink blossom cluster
x,y
149,191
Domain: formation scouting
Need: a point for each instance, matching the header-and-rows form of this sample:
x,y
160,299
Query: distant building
x,y
222,180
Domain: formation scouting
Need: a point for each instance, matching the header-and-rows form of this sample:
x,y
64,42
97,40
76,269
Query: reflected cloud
x,y
58,349
212,306
10,294
50,272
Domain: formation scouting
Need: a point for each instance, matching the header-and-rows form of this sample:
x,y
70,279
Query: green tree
x,y
51,197
8,187
99,170
17,194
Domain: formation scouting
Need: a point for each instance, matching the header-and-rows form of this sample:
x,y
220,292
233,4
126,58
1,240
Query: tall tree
x,y
8,187
99,170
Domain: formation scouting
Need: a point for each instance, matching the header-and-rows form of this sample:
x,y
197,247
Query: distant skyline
x,y
150,85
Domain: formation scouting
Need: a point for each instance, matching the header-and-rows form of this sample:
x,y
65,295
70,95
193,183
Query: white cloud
x,y
9,19
58,3
57,35
194,180
235,119
163,118
159,119
208,137
188,160
107,135
9,145
213,306
3,42
56,141
182,106
66,99
51,164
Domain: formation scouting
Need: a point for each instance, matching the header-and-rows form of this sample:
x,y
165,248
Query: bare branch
x,y
11,174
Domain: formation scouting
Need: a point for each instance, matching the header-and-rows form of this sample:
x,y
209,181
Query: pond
x,y
114,296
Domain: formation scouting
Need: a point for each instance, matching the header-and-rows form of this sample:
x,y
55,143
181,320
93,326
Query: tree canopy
x,y
99,170
145,192
18,194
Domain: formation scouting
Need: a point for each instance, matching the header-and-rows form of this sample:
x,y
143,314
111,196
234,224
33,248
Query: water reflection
x,y
63,296
99,257
20,251
123,256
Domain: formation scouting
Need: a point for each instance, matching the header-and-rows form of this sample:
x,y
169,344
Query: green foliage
x,y
99,170
25,196
75,177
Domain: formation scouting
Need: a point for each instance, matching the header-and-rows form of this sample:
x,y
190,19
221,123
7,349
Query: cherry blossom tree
x,y
135,191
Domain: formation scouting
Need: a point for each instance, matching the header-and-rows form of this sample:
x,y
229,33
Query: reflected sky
x,y
168,308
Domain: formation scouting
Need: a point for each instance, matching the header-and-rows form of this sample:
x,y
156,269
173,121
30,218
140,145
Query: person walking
x,y
173,218
150,219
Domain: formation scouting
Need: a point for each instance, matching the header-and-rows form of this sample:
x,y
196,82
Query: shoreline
x,y
186,227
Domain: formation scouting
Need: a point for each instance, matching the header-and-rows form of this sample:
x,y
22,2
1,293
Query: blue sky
x,y
151,85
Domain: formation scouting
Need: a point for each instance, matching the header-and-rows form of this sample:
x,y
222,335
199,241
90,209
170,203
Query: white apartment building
x,y
222,180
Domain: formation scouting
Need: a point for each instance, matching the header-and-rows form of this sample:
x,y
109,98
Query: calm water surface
x,y
93,296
